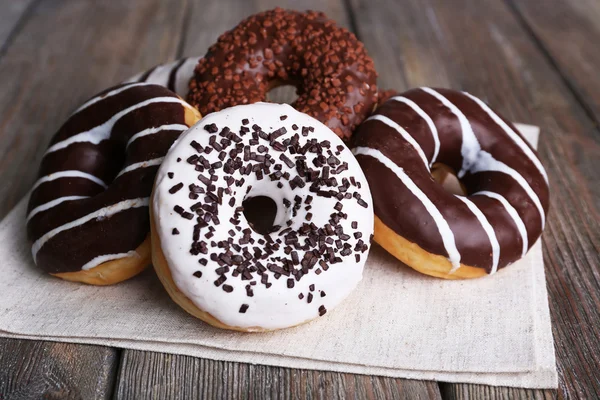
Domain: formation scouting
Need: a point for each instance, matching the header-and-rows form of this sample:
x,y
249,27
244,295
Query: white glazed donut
x,y
206,253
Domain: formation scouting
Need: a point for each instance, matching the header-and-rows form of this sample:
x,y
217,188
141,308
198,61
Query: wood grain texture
x,y
13,15
157,375
568,30
466,392
45,74
432,43
37,369
145,375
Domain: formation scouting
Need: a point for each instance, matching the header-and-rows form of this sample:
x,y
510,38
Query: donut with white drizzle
x,y
207,253
175,75
88,210
422,224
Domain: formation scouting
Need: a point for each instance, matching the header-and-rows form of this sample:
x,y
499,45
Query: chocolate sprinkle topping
x,y
337,78
322,311
176,188
296,249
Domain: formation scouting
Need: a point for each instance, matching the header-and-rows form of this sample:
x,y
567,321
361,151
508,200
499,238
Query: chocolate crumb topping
x,y
337,77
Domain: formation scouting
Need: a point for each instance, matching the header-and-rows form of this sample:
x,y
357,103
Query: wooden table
x,y
537,61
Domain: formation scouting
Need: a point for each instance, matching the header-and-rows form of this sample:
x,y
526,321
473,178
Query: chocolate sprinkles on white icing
x,y
322,226
504,211
90,203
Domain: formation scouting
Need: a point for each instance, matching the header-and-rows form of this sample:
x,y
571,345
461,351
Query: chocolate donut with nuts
x,y
334,76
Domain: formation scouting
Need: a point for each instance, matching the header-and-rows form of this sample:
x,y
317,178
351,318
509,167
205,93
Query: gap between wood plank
x,y
553,63
351,18
187,17
22,20
112,389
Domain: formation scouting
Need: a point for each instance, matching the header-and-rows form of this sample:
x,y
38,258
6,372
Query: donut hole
x,y
282,93
260,212
445,176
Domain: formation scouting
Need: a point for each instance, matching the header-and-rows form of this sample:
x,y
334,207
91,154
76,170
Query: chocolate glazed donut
x,y
88,211
334,76
422,224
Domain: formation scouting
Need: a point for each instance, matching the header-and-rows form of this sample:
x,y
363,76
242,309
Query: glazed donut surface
x,y
421,223
89,205
334,76
175,75
210,258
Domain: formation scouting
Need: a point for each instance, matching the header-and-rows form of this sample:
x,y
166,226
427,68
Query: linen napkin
x,y
398,323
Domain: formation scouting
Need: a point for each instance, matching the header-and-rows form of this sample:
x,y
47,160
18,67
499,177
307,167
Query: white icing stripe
x,y
160,75
143,164
428,120
485,224
68,174
151,131
512,134
101,213
134,78
102,132
50,204
513,214
94,262
405,135
183,76
486,162
440,221
479,160
105,96
470,145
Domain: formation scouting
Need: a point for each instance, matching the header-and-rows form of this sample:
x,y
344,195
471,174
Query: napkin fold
x,y
398,323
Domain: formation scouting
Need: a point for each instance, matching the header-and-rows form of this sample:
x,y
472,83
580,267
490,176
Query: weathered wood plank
x,y
467,392
37,369
12,15
569,32
44,74
157,375
145,375
482,48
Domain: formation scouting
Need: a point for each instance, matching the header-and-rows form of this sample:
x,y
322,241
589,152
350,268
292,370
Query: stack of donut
x,y
260,216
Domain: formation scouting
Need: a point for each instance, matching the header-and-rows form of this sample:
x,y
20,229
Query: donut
x,y
175,76
228,258
329,66
428,228
88,213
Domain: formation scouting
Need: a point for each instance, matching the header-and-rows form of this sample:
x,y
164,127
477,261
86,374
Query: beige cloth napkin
x,y
397,323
